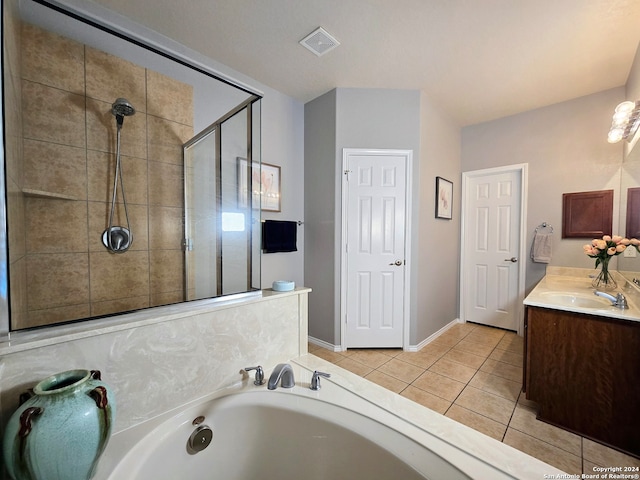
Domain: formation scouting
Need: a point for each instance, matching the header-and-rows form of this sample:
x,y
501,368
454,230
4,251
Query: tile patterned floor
x,y
473,374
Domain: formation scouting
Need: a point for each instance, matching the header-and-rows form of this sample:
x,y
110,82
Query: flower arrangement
x,y
602,250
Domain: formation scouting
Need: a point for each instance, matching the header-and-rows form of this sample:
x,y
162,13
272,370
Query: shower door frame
x,y
216,129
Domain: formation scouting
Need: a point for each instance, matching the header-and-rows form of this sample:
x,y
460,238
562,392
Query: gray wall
x,y
566,148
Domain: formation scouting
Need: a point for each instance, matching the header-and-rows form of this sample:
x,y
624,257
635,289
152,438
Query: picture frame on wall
x,y
265,186
444,198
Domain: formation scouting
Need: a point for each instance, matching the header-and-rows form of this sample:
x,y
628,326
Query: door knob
x,y
397,263
512,259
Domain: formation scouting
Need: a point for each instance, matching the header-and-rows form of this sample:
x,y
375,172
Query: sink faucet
x,y
618,301
283,375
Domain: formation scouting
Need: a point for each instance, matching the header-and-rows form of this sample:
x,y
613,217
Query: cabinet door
x,y
583,371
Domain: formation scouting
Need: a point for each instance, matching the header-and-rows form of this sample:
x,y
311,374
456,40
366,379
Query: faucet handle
x,y
259,379
621,301
315,379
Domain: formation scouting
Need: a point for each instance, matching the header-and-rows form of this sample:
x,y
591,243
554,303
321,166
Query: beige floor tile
x,y
512,343
605,456
439,385
312,347
522,400
465,328
477,422
497,385
401,370
544,451
453,370
483,338
328,355
502,369
589,468
524,420
370,358
464,358
386,381
354,367
435,349
426,399
487,404
445,340
480,349
419,359
506,356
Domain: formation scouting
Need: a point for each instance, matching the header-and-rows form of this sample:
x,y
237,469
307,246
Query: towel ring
x,y
544,225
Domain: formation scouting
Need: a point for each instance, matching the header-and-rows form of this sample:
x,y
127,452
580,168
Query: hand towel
x,y
279,236
541,248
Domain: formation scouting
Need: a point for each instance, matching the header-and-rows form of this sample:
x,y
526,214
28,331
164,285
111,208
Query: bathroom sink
x,y
580,300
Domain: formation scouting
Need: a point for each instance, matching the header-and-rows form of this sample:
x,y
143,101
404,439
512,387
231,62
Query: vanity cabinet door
x,y
584,373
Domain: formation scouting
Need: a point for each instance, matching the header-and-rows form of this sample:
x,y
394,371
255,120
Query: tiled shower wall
x,y
60,269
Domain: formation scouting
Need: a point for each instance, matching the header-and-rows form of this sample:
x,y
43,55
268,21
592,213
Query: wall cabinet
x,y
583,371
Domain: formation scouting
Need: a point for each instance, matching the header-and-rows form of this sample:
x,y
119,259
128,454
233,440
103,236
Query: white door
x,y
492,276
374,193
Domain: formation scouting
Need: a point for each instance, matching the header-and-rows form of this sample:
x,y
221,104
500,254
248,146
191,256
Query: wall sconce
x,y
625,121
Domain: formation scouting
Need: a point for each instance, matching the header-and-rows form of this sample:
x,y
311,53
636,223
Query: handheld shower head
x,y
122,108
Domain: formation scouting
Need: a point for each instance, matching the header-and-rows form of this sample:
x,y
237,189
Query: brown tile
x,y
507,357
166,298
328,355
544,451
354,367
52,59
56,226
166,185
116,276
434,349
56,280
524,420
53,115
419,359
522,400
165,228
37,318
401,370
370,358
476,421
605,456
464,358
445,340
169,98
312,347
166,270
493,406
502,369
55,169
439,385
165,140
490,340
120,305
480,349
110,77
512,343
386,381
99,220
426,399
453,370
497,385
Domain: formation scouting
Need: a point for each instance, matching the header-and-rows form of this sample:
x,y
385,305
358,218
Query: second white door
x,y
375,248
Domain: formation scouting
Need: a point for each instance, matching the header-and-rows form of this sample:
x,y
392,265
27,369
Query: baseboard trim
x,y
323,344
431,338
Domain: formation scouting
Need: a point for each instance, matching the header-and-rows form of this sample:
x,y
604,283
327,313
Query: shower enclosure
x,y
222,216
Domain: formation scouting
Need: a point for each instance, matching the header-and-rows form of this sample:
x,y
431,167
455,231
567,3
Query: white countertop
x,y
577,281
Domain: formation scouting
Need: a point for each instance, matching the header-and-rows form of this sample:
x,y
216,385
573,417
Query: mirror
x,y
88,112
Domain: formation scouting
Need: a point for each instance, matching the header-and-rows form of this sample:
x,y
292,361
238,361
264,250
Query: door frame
x,y
523,170
408,155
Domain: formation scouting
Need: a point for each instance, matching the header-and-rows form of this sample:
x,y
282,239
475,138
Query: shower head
x,y
122,108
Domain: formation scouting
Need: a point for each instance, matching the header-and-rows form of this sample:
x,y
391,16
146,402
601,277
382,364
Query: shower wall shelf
x,y
42,194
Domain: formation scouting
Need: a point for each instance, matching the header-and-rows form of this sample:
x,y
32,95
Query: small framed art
x,y
444,198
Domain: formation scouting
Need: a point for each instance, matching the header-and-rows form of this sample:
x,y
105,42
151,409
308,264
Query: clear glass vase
x,y
604,280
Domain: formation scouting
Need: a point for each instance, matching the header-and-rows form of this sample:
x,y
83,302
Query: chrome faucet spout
x,y
619,301
283,375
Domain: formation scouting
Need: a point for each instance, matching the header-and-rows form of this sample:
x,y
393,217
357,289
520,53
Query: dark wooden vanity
x,y
583,371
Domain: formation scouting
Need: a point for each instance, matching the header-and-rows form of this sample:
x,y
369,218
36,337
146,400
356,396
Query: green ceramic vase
x,y
61,431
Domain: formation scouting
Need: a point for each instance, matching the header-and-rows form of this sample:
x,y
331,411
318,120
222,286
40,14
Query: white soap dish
x,y
283,285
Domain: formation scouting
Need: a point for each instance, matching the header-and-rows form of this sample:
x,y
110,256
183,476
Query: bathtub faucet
x,y
283,375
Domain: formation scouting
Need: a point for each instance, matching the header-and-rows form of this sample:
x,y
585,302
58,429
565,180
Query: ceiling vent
x,y
319,42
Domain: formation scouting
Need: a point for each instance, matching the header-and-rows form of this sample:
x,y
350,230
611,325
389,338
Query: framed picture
x,y
444,198
265,186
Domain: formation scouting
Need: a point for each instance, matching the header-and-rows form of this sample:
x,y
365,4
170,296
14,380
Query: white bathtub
x,y
288,434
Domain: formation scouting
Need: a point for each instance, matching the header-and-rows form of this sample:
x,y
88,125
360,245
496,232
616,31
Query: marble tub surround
x,y
158,359
450,438
578,281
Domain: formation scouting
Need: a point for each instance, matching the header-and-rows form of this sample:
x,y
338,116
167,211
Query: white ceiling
x,y
477,59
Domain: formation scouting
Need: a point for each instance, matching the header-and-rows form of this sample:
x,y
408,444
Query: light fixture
x,y
626,119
